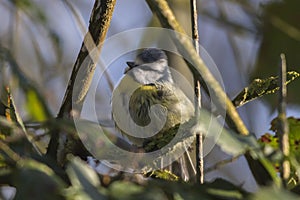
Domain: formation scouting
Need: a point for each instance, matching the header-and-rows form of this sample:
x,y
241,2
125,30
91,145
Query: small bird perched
x,y
147,103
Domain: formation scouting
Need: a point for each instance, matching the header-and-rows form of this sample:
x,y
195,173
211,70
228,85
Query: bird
x,y
147,104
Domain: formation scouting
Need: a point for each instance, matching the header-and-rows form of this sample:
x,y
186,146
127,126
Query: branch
x,y
88,57
84,66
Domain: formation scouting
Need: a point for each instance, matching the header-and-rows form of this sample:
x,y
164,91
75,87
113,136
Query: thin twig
x,y
199,135
222,163
283,128
194,20
199,143
200,148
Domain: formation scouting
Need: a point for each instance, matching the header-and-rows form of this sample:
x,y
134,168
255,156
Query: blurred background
x,y
244,39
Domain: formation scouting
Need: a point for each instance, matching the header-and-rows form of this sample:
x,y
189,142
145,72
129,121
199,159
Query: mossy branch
x,y
84,67
88,56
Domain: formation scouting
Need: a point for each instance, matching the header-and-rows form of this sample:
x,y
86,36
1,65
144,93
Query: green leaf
x,y
6,127
23,144
235,144
35,106
229,141
262,169
260,87
219,189
269,140
162,174
8,111
273,193
294,136
13,114
85,181
3,101
160,189
34,180
124,190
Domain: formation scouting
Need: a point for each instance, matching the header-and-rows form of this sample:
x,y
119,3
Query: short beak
x,y
130,66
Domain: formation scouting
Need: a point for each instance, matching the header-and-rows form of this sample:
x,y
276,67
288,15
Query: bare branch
x,y
199,135
283,128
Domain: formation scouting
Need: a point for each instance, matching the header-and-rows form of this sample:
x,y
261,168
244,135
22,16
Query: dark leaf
x,y
260,87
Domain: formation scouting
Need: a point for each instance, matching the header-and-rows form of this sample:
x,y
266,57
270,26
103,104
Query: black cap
x,y
150,55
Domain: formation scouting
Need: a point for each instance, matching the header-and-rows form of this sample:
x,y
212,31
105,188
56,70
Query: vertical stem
x,y
283,128
194,20
199,144
199,135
